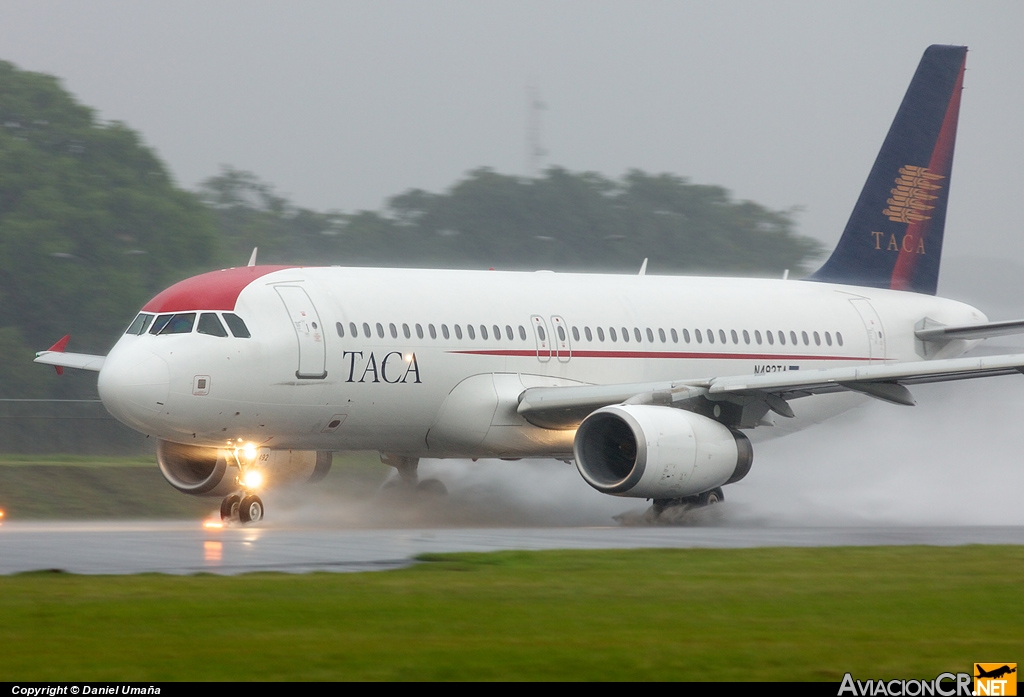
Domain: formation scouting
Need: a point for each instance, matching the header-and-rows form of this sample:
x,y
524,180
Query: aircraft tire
x,y
251,509
229,506
432,487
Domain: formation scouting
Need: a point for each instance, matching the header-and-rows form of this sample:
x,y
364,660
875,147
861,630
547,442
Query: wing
x,y
754,395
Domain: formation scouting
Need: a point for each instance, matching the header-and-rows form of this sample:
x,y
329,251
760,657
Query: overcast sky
x,y
344,104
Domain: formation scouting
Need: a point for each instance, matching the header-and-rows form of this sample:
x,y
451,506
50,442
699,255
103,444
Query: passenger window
x,y
340,328
735,338
508,332
828,338
686,335
469,330
140,324
636,334
575,334
561,332
419,330
366,330
792,337
771,339
540,333
721,336
757,336
587,333
782,337
746,337
433,332
650,336
839,338
625,335
458,331
807,341
394,330
236,325
209,324
698,336
444,331
611,334
600,334
180,323
483,332
522,333
817,339
497,333
380,330
405,331
353,330
675,336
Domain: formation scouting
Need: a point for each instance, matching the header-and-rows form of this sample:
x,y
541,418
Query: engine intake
x,y
658,452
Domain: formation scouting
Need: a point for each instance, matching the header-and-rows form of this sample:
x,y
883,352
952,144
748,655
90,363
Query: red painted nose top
x,y
216,290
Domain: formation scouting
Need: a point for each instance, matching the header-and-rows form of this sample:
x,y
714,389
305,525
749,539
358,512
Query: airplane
x,y
253,376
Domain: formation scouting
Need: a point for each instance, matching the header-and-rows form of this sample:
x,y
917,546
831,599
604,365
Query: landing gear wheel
x,y
229,507
432,487
709,498
251,509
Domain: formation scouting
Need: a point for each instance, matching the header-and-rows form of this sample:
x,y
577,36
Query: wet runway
x,y
187,547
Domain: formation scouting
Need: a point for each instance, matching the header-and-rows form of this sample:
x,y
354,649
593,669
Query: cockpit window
x,y
210,324
180,323
141,324
159,323
236,325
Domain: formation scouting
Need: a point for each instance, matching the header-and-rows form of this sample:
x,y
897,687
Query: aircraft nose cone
x,y
134,388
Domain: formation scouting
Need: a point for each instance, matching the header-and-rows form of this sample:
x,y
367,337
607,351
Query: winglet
x,y
643,268
252,257
59,347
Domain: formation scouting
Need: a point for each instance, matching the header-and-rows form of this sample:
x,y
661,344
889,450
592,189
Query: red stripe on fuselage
x,y
668,354
216,290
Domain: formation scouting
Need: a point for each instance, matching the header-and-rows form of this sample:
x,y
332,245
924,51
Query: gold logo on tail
x,y
911,196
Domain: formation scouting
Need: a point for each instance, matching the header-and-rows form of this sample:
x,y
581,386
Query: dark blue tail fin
x,y
894,236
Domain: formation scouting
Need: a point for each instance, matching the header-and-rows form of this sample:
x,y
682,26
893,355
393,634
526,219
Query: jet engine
x,y
202,471
658,452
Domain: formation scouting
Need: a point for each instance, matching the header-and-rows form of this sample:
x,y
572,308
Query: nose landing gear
x,y
243,505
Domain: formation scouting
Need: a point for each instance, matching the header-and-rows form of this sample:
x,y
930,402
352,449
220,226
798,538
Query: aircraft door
x,y
873,325
540,333
309,332
560,340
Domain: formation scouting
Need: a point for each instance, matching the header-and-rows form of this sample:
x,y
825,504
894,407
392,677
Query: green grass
x,y
83,487
762,614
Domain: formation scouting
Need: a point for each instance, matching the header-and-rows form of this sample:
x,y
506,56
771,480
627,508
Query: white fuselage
x,y
431,363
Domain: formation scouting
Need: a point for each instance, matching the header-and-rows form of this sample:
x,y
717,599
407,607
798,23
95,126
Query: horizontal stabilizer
x,y
59,359
971,331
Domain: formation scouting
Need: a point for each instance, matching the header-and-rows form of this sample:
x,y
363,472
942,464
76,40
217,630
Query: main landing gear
x,y
408,476
671,510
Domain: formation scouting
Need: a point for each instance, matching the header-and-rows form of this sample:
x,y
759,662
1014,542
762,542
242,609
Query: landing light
x,y
253,479
213,524
250,451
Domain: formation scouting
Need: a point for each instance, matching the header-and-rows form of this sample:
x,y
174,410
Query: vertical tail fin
x,y
894,236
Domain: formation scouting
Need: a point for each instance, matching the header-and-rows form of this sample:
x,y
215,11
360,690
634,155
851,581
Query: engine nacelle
x,y
202,471
658,452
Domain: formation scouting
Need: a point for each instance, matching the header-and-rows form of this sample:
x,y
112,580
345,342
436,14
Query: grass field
x,y
83,487
762,614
